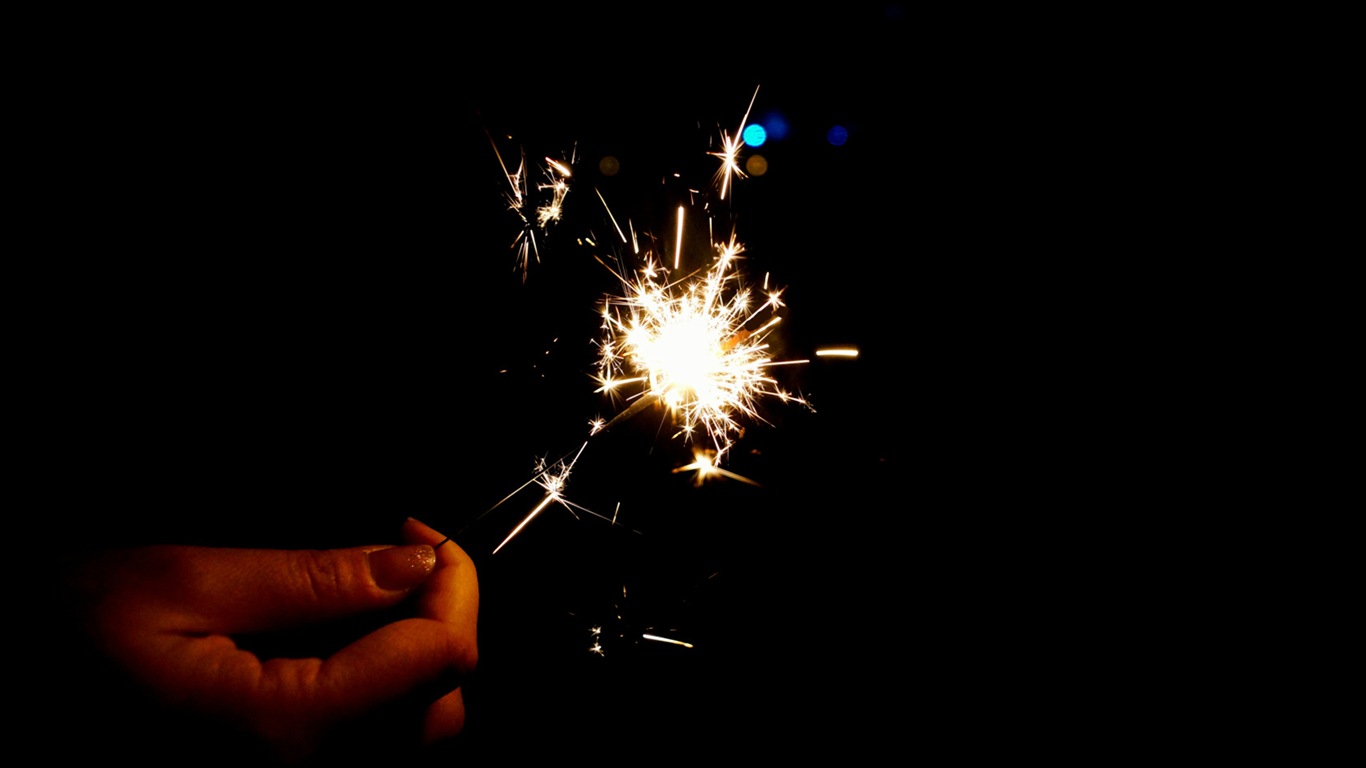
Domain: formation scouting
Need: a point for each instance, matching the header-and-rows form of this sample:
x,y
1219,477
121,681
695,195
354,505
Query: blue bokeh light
x,y
837,135
755,135
776,125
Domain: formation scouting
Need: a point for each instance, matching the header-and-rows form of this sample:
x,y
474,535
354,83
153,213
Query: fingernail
x,y
402,567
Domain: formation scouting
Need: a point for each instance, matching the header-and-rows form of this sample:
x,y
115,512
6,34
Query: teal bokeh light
x,y
755,135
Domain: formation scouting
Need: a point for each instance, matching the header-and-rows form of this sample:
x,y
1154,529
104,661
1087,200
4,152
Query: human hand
x,y
171,616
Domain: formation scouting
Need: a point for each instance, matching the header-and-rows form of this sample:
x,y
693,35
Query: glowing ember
x,y
688,343
704,463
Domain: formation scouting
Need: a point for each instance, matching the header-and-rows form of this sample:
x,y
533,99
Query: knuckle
x,y
323,575
464,653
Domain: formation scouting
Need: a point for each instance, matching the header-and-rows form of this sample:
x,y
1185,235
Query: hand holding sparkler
x,y
173,617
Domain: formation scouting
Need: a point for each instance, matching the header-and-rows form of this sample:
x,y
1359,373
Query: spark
x,y
688,344
558,186
837,352
559,166
524,245
678,238
551,477
659,639
704,463
613,218
730,151
531,216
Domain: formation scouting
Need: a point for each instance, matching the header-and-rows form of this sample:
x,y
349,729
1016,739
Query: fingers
x,y
451,594
293,703
445,718
209,590
175,610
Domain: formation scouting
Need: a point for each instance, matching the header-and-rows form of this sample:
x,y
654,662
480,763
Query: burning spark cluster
x,y
532,216
687,344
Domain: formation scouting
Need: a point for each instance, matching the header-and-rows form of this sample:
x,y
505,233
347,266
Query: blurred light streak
x,y
659,639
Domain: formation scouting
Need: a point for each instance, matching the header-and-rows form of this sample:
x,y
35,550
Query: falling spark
x,y
524,245
557,174
559,166
730,151
689,346
659,639
678,238
704,463
837,352
615,225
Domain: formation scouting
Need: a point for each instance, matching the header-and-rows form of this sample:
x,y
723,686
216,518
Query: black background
x,y
290,315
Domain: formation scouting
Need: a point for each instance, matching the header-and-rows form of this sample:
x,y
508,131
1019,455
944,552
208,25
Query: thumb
x,y
250,590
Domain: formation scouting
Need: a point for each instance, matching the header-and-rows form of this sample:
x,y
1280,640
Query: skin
x,y
172,617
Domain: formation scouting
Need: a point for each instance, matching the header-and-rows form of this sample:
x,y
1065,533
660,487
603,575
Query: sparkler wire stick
x,y
636,407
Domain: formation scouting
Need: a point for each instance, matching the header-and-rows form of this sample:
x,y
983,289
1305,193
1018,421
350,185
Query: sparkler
x,y
696,344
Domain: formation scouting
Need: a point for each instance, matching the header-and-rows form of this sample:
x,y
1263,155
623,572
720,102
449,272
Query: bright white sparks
x,y
730,152
688,344
659,639
704,464
837,352
678,238
531,216
552,478
557,184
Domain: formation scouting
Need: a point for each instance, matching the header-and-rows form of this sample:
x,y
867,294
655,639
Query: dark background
x,y
290,315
